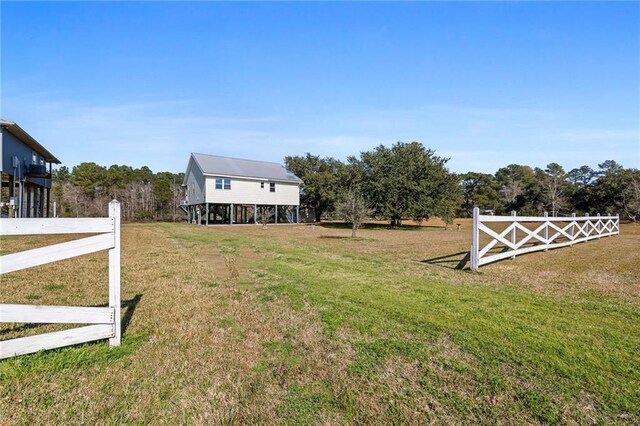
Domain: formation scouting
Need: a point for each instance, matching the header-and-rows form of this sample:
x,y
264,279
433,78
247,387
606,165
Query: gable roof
x,y
238,167
28,140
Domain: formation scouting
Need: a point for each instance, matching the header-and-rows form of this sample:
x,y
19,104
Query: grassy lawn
x,y
301,325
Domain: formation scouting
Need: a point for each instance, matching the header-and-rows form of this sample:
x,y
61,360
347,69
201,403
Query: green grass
x,y
54,287
562,347
69,358
304,404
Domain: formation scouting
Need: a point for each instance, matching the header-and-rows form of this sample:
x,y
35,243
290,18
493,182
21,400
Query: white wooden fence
x,y
542,233
105,320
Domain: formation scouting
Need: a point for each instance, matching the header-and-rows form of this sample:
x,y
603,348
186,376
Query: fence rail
x,y
105,320
542,233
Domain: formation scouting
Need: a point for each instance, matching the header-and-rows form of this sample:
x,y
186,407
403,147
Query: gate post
x,y
546,231
513,231
114,273
475,240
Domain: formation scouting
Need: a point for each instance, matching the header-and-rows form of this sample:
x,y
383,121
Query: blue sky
x,y
487,84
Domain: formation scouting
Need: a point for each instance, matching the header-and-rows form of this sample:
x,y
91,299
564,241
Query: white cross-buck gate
x,y
525,234
105,321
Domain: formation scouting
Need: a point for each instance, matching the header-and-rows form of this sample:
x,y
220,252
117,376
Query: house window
x,y
272,187
223,183
34,158
261,185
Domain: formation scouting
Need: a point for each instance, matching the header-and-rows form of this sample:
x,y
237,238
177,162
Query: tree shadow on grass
x,y
450,261
130,306
377,226
346,238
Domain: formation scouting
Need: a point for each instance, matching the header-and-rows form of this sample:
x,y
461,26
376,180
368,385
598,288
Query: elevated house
x,y
25,173
232,190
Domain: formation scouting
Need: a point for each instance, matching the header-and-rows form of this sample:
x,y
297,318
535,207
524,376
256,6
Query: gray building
x,y
25,173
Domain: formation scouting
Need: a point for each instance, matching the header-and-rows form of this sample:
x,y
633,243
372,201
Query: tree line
x,y
408,181
86,189
609,189
403,181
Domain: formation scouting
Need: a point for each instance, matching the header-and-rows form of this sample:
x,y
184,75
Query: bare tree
x,y
555,184
265,214
631,198
510,192
353,209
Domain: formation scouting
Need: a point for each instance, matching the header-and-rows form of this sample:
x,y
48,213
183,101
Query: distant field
x,y
303,325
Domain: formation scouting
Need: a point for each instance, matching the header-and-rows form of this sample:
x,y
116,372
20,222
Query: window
x,y
261,185
223,183
272,187
34,158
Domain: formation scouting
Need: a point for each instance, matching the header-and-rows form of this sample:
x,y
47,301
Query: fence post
x,y
475,240
546,231
598,226
114,273
573,224
586,226
513,231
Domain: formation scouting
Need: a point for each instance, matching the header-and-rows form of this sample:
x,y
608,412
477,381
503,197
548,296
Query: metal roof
x,y
238,167
28,140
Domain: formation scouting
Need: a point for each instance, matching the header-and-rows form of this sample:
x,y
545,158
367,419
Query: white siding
x,y
1,155
195,185
246,191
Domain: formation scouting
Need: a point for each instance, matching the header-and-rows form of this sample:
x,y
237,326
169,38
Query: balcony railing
x,y
37,170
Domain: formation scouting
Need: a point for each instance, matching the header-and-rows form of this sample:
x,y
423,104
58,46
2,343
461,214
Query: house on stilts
x,y
25,173
224,190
